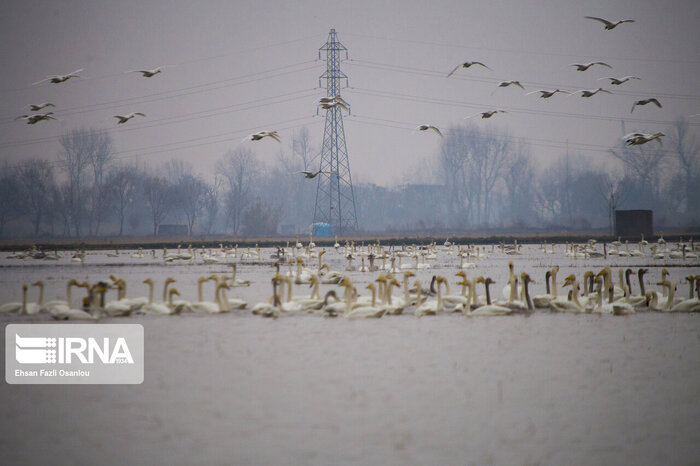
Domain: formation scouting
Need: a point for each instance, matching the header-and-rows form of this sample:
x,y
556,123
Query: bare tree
x,y
211,205
240,168
302,148
193,191
121,184
517,179
80,149
9,198
613,191
157,193
35,178
687,154
643,164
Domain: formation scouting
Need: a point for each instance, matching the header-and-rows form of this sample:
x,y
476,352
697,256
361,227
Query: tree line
x,y
479,179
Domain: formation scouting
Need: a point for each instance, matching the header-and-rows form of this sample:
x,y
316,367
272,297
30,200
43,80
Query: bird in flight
x,y
618,81
590,93
311,175
36,118
636,139
59,78
262,134
609,24
148,73
585,66
36,108
124,118
545,94
646,101
428,127
329,100
327,106
467,64
487,114
508,83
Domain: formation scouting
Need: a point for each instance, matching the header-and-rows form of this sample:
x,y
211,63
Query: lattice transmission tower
x,y
335,199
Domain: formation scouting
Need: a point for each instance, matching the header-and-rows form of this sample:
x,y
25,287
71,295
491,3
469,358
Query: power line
x,y
441,74
164,95
540,142
307,93
520,52
456,103
190,61
206,140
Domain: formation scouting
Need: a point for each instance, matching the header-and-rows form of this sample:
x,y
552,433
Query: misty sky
x,y
244,66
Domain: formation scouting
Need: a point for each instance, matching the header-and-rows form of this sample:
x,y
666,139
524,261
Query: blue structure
x,y
335,199
322,229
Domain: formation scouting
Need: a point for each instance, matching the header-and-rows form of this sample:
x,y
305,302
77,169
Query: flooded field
x,y
234,388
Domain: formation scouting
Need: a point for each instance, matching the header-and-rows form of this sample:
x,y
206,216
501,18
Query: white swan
x,y
488,309
609,25
646,101
466,64
429,127
370,311
60,78
124,118
585,66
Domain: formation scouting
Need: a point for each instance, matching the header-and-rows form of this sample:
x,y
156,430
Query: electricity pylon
x,y
335,199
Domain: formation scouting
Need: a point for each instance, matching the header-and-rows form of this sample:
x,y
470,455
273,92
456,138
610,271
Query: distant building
x,y
633,223
172,230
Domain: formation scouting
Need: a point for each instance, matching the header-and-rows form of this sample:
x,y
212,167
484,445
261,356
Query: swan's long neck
x,y
671,292
374,296
315,293
467,307
526,293
488,294
150,293
642,289
513,289
24,300
200,296
289,290
554,280
574,296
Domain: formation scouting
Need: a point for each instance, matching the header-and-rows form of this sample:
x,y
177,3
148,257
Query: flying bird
x,y
262,134
36,108
327,106
467,64
59,78
36,118
311,175
618,81
328,100
646,101
148,73
124,118
508,83
487,114
428,127
585,66
590,93
635,139
609,24
545,94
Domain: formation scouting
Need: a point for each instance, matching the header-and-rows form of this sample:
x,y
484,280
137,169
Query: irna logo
x,y
70,350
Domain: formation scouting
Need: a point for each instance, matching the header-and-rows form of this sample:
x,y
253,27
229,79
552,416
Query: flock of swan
x,y
326,103
386,268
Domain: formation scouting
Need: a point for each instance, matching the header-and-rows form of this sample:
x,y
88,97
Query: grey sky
x,y
247,66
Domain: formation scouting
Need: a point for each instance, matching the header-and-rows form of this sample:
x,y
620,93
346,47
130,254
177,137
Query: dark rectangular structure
x,y
633,223
172,230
